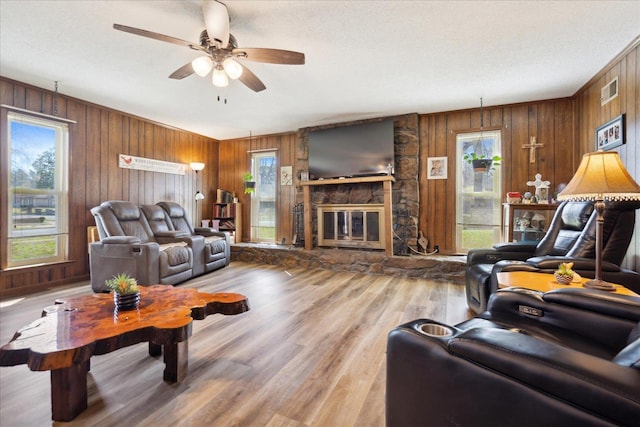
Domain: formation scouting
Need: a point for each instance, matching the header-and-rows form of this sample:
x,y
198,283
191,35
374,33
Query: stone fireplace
x,y
404,205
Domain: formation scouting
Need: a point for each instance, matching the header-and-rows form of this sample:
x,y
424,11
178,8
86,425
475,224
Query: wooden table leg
x,y
154,349
68,392
176,360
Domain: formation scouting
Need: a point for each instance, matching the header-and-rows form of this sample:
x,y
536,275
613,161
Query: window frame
x,y
254,225
59,232
495,195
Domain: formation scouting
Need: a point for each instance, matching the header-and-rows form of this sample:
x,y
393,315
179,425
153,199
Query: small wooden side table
x,y
544,282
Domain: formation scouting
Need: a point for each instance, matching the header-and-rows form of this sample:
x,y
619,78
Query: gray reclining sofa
x,y
144,243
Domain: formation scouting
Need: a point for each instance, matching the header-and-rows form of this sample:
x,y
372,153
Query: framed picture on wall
x,y
610,134
437,168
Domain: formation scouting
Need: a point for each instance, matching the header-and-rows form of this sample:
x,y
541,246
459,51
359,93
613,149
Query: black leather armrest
x,y
583,264
515,247
492,256
127,240
595,315
610,304
569,375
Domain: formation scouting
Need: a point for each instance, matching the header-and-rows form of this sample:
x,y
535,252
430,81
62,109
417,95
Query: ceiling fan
x,y
221,51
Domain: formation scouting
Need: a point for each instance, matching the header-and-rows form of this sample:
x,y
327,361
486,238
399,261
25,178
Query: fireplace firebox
x,y
351,225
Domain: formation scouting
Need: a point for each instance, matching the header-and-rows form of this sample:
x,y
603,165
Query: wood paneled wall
x,y
565,126
235,160
551,122
590,115
96,140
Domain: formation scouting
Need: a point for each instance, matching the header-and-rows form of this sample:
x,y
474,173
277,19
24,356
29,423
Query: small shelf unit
x,y
229,217
526,222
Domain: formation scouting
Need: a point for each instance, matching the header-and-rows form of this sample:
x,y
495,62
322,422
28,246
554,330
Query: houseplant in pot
x,y
564,274
482,163
249,183
126,293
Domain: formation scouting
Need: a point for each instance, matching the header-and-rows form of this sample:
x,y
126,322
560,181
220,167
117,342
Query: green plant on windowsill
x,y
249,183
482,163
123,284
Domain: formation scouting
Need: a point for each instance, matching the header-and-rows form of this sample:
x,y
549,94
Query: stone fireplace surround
x,y
405,201
404,206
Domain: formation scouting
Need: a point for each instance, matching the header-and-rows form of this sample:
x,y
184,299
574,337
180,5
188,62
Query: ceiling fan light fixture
x,y
219,77
202,65
233,68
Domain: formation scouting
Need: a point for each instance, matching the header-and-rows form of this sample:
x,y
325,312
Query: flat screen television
x,y
350,151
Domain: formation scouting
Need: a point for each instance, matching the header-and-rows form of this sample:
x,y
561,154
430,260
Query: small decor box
x,y
513,197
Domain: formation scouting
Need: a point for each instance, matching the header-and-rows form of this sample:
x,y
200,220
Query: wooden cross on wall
x,y
532,148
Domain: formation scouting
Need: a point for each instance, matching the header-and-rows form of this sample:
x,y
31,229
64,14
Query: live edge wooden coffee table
x,y
69,333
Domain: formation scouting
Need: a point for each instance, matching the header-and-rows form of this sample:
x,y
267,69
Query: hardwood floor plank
x,y
310,352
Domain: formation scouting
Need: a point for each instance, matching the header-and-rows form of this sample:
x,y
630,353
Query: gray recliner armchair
x,y
217,245
127,245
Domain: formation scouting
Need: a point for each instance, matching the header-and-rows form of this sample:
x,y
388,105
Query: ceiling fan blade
x,y
216,20
251,80
185,71
156,36
271,56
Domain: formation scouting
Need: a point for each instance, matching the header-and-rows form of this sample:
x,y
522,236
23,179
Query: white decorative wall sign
x,y
152,165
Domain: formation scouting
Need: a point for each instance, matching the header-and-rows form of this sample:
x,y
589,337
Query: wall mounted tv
x,y
349,151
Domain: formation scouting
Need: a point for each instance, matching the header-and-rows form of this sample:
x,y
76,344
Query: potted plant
x,y
126,293
482,163
249,183
564,274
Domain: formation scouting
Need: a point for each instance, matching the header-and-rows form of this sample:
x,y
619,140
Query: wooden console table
x,y
386,181
69,333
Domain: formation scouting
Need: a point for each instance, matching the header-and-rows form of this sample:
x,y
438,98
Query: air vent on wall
x,y
609,92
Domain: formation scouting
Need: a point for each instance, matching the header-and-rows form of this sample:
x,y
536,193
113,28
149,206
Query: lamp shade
x,y
199,196
601,176
197,166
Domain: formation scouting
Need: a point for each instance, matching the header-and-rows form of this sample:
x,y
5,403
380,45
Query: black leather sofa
x,y
571,238
570,357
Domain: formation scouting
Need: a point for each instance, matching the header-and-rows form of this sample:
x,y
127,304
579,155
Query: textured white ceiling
x,y
364,59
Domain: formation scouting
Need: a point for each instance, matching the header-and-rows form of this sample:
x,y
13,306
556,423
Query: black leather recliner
x,y
567,357
571,238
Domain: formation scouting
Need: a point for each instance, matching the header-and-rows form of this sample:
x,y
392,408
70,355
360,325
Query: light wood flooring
x,y
310,352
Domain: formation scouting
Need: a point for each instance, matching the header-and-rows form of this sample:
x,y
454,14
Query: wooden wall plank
x,y
567,125
590,114
97,138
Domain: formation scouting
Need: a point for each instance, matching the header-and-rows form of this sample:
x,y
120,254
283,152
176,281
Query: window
x,y
37,217
478,204
263,200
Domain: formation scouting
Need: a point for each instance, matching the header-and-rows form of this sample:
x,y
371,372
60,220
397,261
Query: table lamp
x,y
601,177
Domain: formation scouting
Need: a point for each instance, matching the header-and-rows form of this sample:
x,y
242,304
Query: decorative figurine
x,y
542,189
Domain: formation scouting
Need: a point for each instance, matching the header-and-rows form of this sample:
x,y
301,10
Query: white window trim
x,y
60,191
